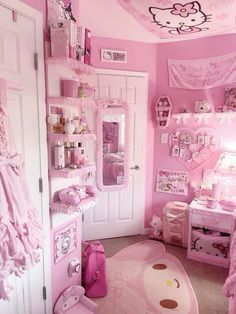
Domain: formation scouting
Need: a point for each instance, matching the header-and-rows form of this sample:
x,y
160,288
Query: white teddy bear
x,y
156,224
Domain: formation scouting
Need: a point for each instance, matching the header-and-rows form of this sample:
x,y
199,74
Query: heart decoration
x,y
168,18
193,149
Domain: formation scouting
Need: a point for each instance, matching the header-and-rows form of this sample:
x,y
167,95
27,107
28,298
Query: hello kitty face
x,y
65,245
181,18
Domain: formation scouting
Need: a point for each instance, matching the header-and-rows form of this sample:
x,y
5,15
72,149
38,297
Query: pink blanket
x,y
229,288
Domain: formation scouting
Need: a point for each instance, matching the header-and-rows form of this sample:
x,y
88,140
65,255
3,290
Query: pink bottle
x,y
59,156
216,191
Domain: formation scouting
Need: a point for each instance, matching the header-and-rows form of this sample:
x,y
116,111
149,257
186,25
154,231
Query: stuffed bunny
x,y
156,224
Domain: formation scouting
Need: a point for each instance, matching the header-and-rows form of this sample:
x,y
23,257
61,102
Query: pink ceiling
x,y
158,20
173,19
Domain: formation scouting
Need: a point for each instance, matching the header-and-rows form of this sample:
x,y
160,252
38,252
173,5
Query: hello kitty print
x,y
181,18
174,19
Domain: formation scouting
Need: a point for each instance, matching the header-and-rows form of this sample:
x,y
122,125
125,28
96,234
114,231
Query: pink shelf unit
x,y
54,137
72,173
69,209
69,101
212,247
79,67
163,111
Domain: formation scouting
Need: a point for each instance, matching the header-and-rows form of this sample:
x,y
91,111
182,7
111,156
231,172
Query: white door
x,y
121,213
19,39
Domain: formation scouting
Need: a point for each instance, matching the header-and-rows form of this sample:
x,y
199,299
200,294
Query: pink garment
x,y
229,288
20,230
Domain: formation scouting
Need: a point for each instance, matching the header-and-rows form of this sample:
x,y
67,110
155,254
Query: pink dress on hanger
x,y
20,230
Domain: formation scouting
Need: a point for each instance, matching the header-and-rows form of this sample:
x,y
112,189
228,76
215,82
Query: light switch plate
x,y
164,138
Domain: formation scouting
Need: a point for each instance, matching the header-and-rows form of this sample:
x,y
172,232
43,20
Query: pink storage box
x,y
175,223
70,88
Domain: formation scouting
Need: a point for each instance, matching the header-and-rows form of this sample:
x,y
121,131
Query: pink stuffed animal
x,y
156,224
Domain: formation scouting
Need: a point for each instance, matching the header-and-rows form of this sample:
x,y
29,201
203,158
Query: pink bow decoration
x,y
14,162
183,10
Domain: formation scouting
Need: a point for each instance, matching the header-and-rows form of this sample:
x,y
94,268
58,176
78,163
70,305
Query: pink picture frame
x,y
65,241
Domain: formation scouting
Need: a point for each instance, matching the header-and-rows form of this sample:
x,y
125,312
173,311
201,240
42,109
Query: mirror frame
x,y
107,107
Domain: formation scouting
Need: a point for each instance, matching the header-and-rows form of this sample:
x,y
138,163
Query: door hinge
x,y
44,293
40,185
36,61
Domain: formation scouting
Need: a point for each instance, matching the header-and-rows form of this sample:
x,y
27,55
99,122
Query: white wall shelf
x,y
55,137
72,173
203,118
69,101
84,204
80,68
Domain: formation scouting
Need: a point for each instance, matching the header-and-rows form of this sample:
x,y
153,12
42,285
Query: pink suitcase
x,y
175,223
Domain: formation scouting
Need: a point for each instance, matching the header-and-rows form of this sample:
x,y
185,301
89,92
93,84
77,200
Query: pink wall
x,y
141,57
190,49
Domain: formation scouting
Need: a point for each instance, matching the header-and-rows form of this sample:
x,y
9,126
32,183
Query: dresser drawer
x,y
219,222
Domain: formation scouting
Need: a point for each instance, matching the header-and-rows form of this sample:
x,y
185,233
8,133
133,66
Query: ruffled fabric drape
x,y
20,229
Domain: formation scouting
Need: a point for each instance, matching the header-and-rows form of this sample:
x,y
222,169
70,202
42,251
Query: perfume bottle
x,y
75,153
82,155
67,154
59,156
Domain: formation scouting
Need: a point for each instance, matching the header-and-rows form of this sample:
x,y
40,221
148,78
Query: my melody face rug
x,y
144,279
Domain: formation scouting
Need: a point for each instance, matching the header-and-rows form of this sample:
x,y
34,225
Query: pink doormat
x,y
144,279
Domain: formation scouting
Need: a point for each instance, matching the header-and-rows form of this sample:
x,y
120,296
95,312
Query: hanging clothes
x,y
20,229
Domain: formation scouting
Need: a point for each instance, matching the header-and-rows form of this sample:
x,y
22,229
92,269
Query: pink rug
x,y
144,279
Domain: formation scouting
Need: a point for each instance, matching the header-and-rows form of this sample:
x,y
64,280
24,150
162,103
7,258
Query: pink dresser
x,y
210,233
175,223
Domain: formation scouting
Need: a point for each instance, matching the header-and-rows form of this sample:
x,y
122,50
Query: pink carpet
x,y
144,279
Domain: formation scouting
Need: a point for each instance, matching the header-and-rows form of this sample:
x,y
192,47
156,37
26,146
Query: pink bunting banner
x,y
202,73
182,18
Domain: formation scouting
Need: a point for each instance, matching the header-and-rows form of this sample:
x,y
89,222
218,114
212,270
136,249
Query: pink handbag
x,y
93,272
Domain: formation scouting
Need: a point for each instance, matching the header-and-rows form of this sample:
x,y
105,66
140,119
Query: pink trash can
x,y
70,88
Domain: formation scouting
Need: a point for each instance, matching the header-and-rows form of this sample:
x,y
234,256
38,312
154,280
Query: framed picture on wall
x,y
65,241
172,181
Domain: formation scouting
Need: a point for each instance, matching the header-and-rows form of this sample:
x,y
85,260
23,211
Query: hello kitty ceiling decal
x,y
172,19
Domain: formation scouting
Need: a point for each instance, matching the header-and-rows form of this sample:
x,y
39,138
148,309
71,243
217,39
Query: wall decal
x,y
202,73
172,181
194,148
181,19
175,18
65,241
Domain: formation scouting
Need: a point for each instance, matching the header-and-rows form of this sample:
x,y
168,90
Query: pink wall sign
x,y
172,181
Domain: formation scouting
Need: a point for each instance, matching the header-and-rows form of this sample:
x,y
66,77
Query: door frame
x,y
145,76
37,18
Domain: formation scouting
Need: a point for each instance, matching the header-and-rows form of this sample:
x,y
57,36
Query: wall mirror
x,y
113,124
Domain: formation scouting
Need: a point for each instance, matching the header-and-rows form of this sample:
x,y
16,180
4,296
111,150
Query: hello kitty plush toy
x,y
156,224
